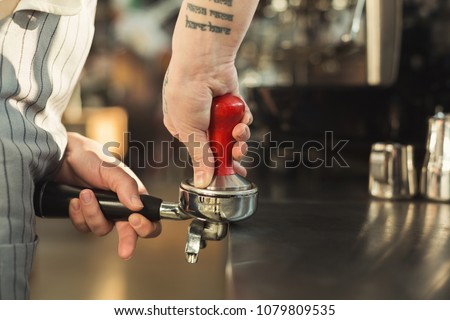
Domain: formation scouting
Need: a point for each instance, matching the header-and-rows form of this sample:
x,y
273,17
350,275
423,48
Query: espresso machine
x,y
325,42
368,70
307,67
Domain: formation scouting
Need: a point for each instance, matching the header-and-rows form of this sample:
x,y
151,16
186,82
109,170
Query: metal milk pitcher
x,y
435,176
392,174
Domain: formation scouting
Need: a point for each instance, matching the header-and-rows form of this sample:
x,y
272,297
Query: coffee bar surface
x,y
321,236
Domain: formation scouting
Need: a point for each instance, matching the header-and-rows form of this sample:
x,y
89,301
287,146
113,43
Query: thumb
x,y
202,157
127,188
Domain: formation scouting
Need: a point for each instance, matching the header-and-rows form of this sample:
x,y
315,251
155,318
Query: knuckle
x,y
101,230
83,228
90,212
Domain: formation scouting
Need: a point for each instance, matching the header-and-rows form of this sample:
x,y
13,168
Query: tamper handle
x,y
226,112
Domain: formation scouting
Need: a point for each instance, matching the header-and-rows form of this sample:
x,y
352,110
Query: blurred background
x,y
367,70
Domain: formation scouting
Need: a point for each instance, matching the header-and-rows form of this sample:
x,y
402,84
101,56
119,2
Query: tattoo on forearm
x,y
212,13
191,24
228,3
206,27
196,9
219,29
195,25
221,15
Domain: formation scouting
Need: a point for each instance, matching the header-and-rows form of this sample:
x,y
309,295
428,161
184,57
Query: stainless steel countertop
x,y
339,244
316,235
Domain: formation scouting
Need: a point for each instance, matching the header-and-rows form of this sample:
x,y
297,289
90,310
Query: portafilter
x,y
229,197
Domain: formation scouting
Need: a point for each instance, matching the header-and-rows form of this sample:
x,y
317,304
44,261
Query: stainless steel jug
x,y
435,176
392,173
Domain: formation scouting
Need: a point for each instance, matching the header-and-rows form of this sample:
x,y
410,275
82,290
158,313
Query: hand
x,y
84,165
202,67
187,98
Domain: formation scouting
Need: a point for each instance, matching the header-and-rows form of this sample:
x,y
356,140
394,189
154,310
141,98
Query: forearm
x,y
208,33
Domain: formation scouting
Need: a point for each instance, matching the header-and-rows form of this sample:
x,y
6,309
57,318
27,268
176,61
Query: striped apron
x,y
41,58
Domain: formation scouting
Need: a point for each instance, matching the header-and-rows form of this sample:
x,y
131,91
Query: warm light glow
x,y
108,124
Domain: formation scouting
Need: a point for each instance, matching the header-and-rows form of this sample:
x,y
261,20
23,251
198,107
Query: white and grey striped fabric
x,y
41,58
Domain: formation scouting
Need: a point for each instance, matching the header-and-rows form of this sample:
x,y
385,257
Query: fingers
x,y
128,187
118,180
128,232
86,215
140,185
239,150
241,132
76,216
127,240
240,170
144,227
248,117
197,144
202,157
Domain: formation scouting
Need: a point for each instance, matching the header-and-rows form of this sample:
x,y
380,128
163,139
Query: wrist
x,y
219,78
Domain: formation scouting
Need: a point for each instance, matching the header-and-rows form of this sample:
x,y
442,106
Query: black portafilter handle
x,y
51,200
